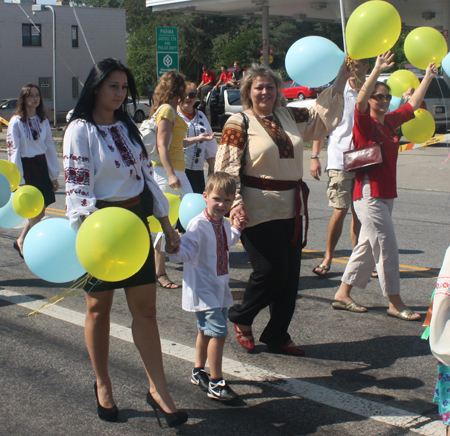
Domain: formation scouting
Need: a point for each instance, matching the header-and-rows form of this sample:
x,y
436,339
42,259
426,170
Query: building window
x,y
74,36
45,83
75,88
31,35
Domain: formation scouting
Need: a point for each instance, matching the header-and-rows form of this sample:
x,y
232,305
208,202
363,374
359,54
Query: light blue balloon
x,y
5,190
8,216
446,64
191,205
49,251
395,103
313,61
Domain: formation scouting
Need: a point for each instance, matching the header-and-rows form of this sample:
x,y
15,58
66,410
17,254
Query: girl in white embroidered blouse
x,y
106,164
31,148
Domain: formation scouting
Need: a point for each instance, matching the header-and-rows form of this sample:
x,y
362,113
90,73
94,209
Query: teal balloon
x,y
313,61
191,205
446,64
395,103
8,216
5,190
49,251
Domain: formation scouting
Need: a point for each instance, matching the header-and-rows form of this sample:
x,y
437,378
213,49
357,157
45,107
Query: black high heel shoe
x,y
105,414
173,419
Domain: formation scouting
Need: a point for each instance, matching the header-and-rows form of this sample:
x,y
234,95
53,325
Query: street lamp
x,y
40,8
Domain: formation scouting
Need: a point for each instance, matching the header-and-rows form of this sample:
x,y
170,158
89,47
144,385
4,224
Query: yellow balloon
x,y
174,207
421,128
28,201
112,244
401,80
424,45
11,172
372,29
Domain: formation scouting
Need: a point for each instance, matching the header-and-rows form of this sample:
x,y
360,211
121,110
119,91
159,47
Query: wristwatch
x,y
314,156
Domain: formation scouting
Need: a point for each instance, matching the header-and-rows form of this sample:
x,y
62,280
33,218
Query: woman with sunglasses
x,y
169,174
375,191
199,143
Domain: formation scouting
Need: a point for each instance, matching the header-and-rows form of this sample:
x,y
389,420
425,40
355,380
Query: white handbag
x,y
149,131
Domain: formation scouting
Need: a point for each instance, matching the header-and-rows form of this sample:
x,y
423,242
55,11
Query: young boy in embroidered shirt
x,y
204,250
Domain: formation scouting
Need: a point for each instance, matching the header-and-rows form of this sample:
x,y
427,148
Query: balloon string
x,y
358,81
73,291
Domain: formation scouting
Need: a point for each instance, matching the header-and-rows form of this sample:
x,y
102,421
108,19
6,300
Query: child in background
x,y
204,250
440,340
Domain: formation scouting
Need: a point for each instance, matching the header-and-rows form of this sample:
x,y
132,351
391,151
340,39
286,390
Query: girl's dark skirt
x,y
35,173
147,274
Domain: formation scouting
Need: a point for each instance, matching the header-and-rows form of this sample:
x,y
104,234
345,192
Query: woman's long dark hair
x,y
85,106
21,106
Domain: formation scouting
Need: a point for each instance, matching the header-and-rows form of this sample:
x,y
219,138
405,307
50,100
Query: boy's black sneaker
x,y
200,379
221,391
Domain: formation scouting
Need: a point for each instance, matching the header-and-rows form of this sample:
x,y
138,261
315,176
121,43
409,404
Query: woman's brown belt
x,y
126,204
285,185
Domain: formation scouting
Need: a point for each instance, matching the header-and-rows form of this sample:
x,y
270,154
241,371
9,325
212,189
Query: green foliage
x,y
214,40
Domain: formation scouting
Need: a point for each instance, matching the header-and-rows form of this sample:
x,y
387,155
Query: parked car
x,y
218,113
293,90
437,101
7,107
140,114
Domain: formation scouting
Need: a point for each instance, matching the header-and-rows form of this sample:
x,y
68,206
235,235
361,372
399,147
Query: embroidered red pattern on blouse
x,y
301,115
281,139
77,176
222,245
234,137
125,153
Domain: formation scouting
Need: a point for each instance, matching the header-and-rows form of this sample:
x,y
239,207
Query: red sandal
x,y
248,344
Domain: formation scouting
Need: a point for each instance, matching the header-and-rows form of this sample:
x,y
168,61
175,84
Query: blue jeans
x,y
213,322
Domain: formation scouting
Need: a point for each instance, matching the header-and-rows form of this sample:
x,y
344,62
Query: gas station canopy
x,y
414,13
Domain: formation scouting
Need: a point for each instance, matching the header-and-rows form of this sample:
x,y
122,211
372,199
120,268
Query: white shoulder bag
x,y
149,131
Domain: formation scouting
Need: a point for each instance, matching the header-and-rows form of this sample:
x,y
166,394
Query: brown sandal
x,y
169,284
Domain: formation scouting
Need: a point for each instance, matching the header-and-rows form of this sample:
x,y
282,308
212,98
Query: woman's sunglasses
x,y
379,97
191,94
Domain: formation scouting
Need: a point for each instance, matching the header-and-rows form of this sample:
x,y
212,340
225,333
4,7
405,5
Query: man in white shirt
x,y
340,182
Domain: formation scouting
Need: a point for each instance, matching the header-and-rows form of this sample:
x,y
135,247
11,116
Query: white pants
x,y
377,245
162,179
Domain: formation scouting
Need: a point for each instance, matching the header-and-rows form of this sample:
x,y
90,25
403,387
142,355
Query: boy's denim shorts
x,y
213,322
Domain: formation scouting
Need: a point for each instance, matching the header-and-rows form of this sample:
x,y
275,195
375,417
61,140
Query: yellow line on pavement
x,y
58,212
414,270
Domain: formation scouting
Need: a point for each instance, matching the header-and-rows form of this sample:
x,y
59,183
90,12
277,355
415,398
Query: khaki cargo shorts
x,y
340,188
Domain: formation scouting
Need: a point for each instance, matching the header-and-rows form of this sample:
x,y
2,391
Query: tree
x,y
214,40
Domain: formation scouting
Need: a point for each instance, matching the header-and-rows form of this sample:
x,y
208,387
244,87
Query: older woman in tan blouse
x,y
262,149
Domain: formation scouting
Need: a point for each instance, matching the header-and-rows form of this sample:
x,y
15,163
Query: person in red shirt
x,y
207,83
375,191
224,78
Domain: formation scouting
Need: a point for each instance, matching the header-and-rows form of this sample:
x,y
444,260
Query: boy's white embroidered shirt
x,y
203,289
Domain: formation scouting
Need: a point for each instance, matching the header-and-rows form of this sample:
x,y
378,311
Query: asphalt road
x,y
364,374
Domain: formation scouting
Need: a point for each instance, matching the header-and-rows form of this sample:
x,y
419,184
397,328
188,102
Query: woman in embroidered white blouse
x,y
31,148
106,164
200,144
